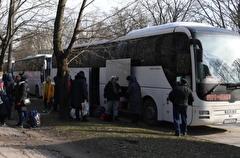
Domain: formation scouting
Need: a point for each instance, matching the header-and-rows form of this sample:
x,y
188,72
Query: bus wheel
x,y
37,92
150,112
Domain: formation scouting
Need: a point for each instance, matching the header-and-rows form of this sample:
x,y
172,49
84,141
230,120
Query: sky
x,y
103,5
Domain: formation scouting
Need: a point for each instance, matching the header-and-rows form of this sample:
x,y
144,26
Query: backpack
x,y
33,118
98,111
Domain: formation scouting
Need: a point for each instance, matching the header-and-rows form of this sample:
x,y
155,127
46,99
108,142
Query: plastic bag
x,y
85,108
73,114
26,101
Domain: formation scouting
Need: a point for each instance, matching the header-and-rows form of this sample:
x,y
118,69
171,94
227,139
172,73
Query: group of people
x,y
78,94
16,91
181,96
112,93
13,92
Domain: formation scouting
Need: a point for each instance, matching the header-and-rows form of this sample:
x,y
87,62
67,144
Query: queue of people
x,y
15,92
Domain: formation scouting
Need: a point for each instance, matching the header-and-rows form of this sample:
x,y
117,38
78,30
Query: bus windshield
x,y
218,75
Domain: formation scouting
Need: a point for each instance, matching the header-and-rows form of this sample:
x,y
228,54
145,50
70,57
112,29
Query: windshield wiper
x,y
213,89
233,86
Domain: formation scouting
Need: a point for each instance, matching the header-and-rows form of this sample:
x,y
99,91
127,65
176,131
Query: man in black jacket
x,y
180,96
112,96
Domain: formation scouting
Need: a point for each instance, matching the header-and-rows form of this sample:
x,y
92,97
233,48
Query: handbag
x,y
26,101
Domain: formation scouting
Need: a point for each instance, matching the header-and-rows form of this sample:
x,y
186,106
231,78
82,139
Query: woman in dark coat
x,y
21,93
135,98
79,94
9,85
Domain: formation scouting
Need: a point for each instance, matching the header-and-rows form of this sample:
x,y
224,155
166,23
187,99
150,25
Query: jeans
x,y
177,111
21,116
112,104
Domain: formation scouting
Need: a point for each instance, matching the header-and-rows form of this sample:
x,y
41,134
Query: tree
x,y
220,13
165,11
17,18
61,55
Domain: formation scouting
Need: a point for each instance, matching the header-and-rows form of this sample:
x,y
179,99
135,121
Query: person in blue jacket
x,y
134,98
5,107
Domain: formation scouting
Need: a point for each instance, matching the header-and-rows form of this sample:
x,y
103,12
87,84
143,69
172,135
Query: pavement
x,y
226,134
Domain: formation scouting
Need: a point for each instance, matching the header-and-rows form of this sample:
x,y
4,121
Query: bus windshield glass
x,y
218,75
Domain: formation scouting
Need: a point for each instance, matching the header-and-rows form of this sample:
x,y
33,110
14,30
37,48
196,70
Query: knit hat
x,y
183,81
113,77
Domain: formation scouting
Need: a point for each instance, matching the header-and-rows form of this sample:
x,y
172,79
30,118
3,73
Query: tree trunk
x,y
61,58
62,75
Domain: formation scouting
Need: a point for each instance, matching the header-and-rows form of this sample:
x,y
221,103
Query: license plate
x,y
230,121
230,111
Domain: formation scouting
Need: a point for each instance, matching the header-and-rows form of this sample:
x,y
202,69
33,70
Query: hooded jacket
x,y
135,97
50,91
79,92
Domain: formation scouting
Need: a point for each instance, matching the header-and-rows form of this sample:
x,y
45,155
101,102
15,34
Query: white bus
x,y
37,68
159,56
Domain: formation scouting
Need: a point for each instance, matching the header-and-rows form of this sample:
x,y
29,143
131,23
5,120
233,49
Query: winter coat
x,y
79,91
50,91
9,85
109,92
181,96
5,107
20,93
134,96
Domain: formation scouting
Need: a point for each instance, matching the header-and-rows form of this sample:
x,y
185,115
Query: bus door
x,y
167,107
120,68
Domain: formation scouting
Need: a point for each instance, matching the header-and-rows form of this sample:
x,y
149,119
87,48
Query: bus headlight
x,y
203,112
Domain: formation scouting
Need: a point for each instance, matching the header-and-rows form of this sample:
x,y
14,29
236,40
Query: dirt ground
x,y
41,139
99,139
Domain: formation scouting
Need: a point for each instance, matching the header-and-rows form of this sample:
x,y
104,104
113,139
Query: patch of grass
x,y
119,139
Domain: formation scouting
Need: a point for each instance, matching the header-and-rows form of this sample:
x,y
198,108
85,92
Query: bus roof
x,y
194,26
36,56
156,30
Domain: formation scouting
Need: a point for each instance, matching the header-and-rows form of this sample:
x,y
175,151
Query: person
x,y
79,94
48,94
134,98
111,96
180,96
5,107
20,94
9,85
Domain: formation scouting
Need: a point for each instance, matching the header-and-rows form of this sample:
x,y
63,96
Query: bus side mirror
x,y
199,49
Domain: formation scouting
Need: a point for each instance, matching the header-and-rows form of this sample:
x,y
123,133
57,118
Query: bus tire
x,y
150,112
37,92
